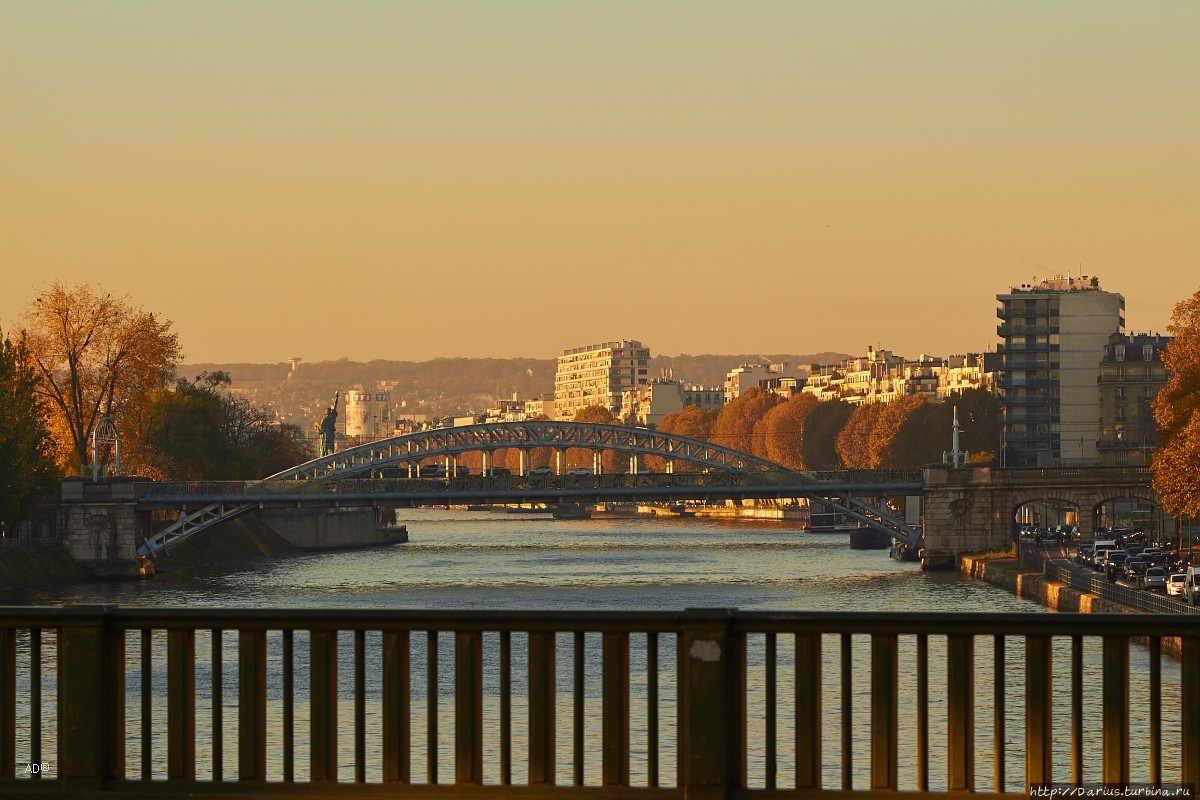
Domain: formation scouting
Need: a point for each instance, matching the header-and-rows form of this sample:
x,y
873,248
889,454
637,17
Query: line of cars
x,y
1150,568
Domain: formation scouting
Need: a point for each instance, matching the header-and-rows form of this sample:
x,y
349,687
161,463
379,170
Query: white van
x,y
1191,585
1099,549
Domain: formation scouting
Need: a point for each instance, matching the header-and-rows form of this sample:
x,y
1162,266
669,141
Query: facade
x,y
740,380
1131,375
368,414
647,405
881,376
540,407
597,375
1053,334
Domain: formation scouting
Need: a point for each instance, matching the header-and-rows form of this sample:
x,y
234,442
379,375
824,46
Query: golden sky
x,y
412,180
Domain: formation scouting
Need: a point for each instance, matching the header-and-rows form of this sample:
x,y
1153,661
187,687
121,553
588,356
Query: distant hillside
x,y
447,386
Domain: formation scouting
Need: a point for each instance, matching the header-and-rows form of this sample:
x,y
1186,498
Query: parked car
x,y
500,472
579,472
542,471
1155,579
1175,584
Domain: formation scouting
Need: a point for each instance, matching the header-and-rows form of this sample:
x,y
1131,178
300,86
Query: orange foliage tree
x,y
1176,463
96,356
692,422
782,430
735,425
866,442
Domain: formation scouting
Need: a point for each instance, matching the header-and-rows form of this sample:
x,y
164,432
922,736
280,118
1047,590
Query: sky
x,y
412,180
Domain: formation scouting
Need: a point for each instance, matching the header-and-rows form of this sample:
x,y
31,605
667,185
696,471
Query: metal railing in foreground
x,y
712,703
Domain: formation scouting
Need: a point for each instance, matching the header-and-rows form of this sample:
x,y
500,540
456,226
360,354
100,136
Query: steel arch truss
x,y
191,523
439,442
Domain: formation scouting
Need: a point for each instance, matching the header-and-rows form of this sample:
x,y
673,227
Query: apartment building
x,y
1131,375
1053,336
598,375
647,405
742,379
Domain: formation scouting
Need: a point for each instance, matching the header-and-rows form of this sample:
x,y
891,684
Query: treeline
x,y
81,356
809,434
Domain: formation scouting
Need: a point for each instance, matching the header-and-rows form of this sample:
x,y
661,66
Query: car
x,y
1082,553
431,470
1133,550
1135,568
1175,584
499,472
1114,562
542,471
1155,579
579,472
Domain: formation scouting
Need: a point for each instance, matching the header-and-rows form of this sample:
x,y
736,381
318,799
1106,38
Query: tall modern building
x,y
597,375
1053,337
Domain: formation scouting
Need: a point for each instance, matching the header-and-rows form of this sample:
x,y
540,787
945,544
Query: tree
x,y
27,467
692,422
96,355
734,426
783,430
1176,463
821,433
854,439
197,431
611,461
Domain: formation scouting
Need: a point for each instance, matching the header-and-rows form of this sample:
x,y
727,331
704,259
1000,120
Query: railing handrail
x,y
857,622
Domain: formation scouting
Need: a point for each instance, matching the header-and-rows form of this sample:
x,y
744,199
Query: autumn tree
x,y
854,440
1176,463
95,356
27,468
198,431
734,426
782,430
821,431
692,422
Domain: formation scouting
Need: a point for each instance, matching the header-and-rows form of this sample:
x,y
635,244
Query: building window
x,y
1120,392
1120,352
1122,458
1120,413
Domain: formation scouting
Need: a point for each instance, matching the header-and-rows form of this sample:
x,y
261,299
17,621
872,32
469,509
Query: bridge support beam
x,y
962,515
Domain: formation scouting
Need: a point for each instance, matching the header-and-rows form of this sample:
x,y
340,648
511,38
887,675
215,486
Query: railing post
x,y
541,709
468,707
323,670
1115,701
884,712
615,704
1189,686
808,711
252,705
8,703
1038,699
712,704
90,712
960,734
181,705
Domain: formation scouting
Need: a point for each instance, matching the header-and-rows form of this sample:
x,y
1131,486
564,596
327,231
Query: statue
x,y
325,428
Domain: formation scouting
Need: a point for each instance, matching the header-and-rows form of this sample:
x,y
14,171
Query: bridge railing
x,y
710,703
199,491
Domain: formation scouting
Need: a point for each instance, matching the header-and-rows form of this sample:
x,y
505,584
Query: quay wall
x,y
37,565
1030,583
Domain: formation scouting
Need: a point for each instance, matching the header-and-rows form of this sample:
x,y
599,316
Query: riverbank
x,y
37,565
1027,582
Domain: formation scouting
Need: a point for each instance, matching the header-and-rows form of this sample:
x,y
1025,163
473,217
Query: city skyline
x,y
409,181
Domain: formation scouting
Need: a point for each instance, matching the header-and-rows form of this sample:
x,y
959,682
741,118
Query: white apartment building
x,y
742,379
368,414
597,375
881,376
647,405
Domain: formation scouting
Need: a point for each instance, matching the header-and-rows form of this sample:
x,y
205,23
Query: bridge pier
x,y
962,515
100,525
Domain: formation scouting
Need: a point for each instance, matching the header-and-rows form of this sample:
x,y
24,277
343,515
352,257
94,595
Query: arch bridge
x,y
713,472
973,509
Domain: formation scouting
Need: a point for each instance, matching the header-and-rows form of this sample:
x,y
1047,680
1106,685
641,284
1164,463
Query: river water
x,y
489,560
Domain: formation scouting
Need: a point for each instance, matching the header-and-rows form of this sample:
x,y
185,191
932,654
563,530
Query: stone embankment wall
x,y
42,565
1030,583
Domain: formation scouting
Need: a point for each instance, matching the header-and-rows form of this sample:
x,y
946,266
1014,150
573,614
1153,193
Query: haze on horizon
x,y
409,180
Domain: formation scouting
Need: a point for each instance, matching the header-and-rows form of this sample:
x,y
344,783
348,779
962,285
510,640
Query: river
x,y
489,560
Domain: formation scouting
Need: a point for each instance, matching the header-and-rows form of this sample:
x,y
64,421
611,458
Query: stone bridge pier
x,y
973,509
100,525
